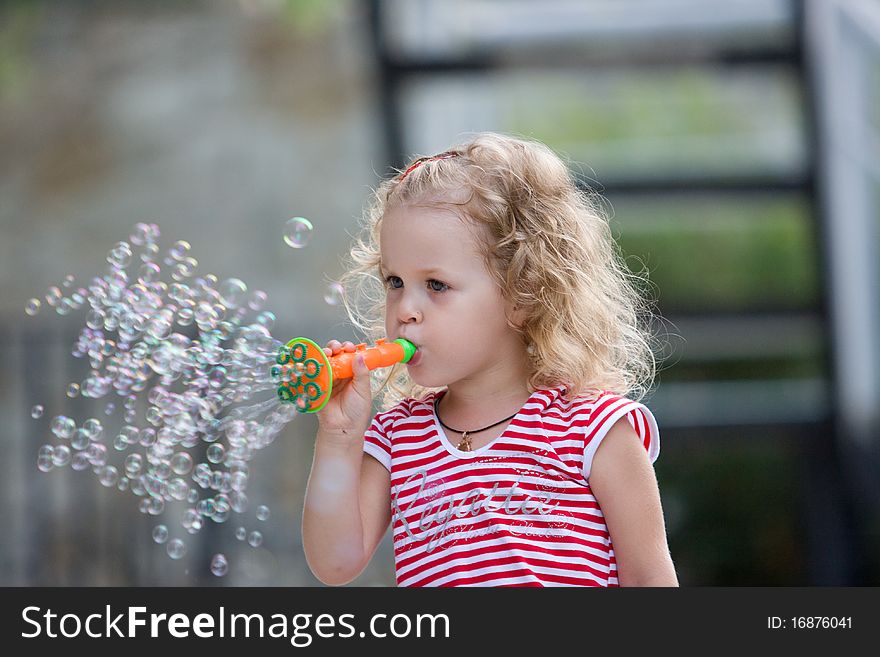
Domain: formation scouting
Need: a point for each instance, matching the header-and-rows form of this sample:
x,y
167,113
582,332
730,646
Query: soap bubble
x,y
148,273
232,291
219,565
37,411
32,307
44,458
257,300
73,390
65,306
95,319
63,427
108,476
141,234
334,294
120,256
184,269
61,456
192,520
147,437
152,506
222,508
255,539
179,250
185,316
181,463
160,534
80,439
215,453
266,319
53,296
128,435
93,428
97,454
177,489
217,377
133,464
297,232
262,512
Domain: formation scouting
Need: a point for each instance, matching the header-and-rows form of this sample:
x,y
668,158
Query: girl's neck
x,y
478,402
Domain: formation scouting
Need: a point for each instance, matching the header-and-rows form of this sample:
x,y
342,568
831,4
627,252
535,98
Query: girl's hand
x,y
348,412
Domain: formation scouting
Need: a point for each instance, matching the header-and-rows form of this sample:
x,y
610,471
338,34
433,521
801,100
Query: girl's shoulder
x,y
408,407
597,410
560,400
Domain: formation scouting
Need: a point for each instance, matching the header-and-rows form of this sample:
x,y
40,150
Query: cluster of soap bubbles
x,y
195,353
56,298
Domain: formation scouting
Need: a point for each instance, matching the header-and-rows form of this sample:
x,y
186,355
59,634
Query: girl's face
x,y
440,297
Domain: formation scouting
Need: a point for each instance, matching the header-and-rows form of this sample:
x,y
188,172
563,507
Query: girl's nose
x,y
408,312
411,316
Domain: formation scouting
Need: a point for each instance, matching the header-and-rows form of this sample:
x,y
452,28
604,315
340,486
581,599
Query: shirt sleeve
x,y
607,410
377,439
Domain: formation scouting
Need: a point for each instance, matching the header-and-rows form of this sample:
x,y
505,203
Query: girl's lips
x,y
416,358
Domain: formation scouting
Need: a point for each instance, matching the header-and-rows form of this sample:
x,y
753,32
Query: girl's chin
x,y
420,375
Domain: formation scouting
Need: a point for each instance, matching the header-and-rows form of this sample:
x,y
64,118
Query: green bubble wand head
x,y
305,374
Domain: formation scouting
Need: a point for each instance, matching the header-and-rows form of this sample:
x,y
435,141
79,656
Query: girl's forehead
x,y
411,233
437,212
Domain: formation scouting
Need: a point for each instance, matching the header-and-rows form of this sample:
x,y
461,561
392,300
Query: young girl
x,y
509,454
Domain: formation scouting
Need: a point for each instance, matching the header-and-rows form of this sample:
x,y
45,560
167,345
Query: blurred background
x,y
737,144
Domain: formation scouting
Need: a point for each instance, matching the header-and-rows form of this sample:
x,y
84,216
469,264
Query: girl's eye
x,y
433,284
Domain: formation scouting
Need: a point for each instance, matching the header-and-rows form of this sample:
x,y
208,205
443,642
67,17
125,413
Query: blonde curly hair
x,y
550,250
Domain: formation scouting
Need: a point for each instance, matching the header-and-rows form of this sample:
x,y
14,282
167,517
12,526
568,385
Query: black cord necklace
x,y
465,444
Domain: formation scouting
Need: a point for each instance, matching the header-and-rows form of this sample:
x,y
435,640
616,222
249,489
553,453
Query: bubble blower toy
x,y
305,374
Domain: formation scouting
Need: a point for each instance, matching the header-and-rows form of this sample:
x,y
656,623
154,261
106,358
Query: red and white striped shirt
x,y
518,511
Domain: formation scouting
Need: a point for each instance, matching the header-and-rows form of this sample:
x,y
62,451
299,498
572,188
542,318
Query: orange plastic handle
x,y
383,354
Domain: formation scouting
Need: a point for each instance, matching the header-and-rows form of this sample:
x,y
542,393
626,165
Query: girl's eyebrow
x,y
430,270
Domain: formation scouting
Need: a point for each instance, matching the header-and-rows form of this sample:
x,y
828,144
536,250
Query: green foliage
x,y
18,25
723,255
308,17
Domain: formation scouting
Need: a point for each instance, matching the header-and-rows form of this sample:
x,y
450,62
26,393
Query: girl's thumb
x,y
361,372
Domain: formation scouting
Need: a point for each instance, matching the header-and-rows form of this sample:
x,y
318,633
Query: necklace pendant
x,y
465,444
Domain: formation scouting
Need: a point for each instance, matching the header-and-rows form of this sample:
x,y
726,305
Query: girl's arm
x,y
347,509
623,481
347,506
